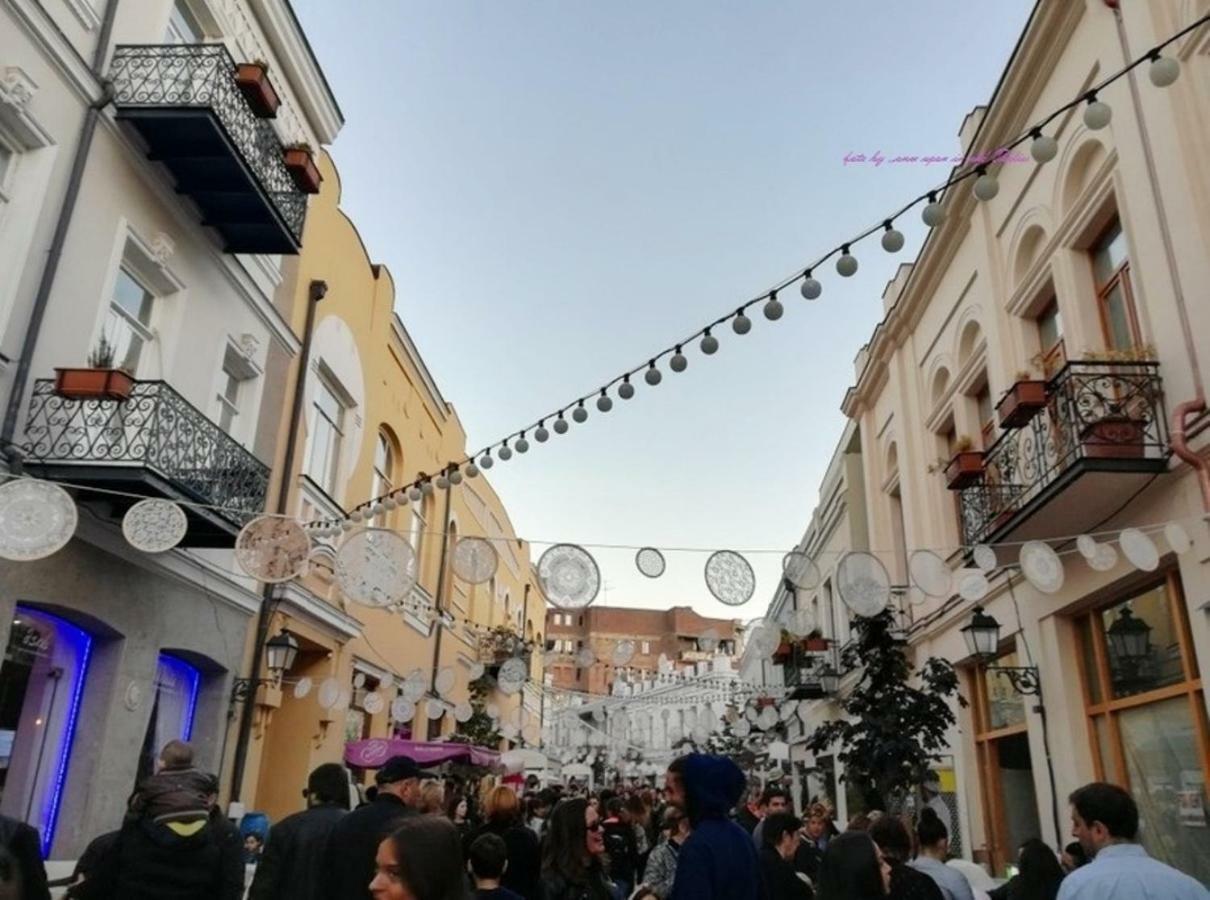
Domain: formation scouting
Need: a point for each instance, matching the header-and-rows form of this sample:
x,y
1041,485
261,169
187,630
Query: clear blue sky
x,y
563,188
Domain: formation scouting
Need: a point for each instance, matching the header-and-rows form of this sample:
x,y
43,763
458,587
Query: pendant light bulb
x,y
709,344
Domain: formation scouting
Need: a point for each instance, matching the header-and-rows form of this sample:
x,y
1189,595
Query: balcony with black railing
x,y
1100,436
185,103
156,444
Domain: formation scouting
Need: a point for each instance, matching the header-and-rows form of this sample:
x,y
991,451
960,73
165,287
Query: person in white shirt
x,y
1105,820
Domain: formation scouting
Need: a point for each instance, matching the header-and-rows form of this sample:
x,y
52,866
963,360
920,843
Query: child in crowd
x,y
487,862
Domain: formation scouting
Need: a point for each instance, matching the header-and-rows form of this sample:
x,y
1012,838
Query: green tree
x,y
479,729
893,732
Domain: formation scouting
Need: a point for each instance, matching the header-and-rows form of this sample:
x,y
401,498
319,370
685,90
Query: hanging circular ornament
x,y
1041,566
342,702
800,570
37,518
475,672
329,693
800,622
434,708
1087,546
650,562
512,676
445,682
585,658
376,567
623,653
707,641
787,710
475,560
863,583
985,557
804,711
1177,537
767,718
742,728
302,687
359,680
700,733
1104,559
730,578
463,712
415,685
403,709
1139,549
973,585
764,636
373,703
569,576
493,712
154,526
930,574
272,549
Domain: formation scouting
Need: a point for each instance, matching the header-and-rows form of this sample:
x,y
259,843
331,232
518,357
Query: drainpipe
x,y
316,292
1196,406
92,117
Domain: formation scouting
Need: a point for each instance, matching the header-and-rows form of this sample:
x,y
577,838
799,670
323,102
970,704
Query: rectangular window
x,y
1111,273
229,392
6,164
183,27
987,416
128,326
1050,339
327,431
646,648
416,536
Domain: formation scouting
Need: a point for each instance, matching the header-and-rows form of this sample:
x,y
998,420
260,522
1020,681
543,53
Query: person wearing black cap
x,y
349,857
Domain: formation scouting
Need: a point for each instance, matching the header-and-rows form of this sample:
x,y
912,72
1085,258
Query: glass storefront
x,y
41,683
1147,718
173,706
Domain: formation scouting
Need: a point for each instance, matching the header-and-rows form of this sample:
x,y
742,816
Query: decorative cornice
x,y
301,603
297,59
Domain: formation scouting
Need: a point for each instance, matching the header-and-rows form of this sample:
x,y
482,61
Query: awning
x,y
373,753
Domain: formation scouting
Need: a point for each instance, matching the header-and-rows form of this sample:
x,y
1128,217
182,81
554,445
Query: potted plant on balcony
x,y
300,163
1121,431
100,381
965,467
1022,401
252,78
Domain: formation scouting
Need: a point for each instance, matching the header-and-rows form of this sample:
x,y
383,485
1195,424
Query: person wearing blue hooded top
x,y
718,861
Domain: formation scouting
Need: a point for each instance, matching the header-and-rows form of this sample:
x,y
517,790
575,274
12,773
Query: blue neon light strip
x,y
192,678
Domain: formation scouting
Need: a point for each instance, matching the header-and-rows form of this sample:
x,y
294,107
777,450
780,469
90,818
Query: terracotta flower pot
x,y
1021,403
964,470
301,166
93,384
1114,437
253,82
815,645
783,651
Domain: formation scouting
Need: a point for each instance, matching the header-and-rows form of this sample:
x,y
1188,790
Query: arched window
x,y
419,525
384,469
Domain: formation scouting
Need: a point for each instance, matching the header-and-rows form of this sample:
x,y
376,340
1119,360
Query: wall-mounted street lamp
x,y
280,652
982,635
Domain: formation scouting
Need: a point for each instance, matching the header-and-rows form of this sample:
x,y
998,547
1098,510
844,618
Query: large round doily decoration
x,y
37,518
272,549
930,573
1139,549
569,576
863,583
375,567
764,636
623,653
1042,567
730,578
650,562
512,675
475,560
800,570
154,526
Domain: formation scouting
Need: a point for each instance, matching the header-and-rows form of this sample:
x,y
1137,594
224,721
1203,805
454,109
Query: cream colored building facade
x,y
1074,272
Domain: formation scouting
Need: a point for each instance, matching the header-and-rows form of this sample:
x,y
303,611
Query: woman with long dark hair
x,y
853,868
934,840
572,864
458,810
1038,878
420,860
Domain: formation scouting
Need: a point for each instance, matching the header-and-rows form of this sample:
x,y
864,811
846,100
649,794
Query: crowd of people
x,y
708,834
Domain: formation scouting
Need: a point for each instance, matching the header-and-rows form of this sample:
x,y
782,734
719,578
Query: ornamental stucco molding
x,y
17,89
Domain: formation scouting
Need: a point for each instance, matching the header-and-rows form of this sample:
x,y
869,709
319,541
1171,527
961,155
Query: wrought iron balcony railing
x,y
157,431
155,81
1106,416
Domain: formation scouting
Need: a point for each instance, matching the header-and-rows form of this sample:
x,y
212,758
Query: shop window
x,y
1115,298
41,684
1147,718
173,705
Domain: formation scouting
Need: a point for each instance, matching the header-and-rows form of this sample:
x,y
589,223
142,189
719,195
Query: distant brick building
x,y
676,634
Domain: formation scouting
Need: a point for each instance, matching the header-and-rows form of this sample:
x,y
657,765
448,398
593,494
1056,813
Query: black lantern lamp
x,y
982,635
1129,638
830,680
280,652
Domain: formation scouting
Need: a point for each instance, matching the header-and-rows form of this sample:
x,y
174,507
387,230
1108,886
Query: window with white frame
x,y
183,26
128,327
327,430
645,647
233,391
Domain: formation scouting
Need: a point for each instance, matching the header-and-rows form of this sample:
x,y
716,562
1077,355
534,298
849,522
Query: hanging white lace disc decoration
x,y
569,576
373,703
403,709
650,562
585,657
475,672
414,685
302,687
1139,549
863,583
730,578
273,549
1104,558
329,693
445,682
973,585
37,518
1087,546
475,560
434,708
800,622
463,712
376,567
154,525
1178,538
985,557
623,652
931,574
1042,567
800,570
742,728
511,677
764,636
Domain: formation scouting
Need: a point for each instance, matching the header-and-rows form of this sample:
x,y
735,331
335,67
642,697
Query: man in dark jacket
x,y
779,832
348,861
291,866
621,846
25,848
718,862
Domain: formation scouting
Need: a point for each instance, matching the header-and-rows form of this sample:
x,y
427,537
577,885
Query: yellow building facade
x,y
372,420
